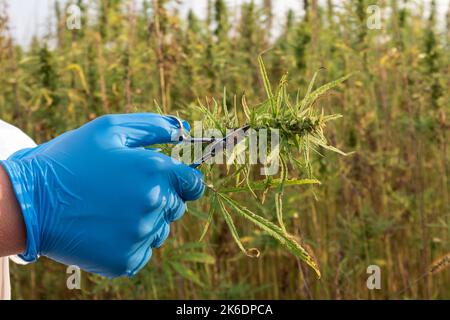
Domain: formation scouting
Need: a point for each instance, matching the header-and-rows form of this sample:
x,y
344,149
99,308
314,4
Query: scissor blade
x,y
200,140
228,142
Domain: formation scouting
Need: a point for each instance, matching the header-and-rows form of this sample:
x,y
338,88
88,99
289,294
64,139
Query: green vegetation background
x,y
388,204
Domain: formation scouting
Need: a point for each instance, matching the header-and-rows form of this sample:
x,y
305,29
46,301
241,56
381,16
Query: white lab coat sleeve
x,y
11,140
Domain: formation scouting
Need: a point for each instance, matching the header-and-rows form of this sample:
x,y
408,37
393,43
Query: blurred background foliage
x,y
388,204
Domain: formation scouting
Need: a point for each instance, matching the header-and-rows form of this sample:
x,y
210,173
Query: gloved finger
x,y
144,129
186,181
163,210
161,236
144,252
140,258
153,149
176,209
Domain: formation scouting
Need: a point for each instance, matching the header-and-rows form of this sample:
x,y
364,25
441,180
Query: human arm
x,y
12,226
96,198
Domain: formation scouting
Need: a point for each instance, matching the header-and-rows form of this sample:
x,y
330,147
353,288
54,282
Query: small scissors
x,y
229,141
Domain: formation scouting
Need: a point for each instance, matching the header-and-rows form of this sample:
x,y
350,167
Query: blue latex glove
x,y
95,198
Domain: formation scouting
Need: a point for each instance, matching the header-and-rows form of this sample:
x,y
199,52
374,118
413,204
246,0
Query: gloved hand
x,y
95,198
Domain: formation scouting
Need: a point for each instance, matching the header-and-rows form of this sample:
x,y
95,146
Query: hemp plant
x,y
301,131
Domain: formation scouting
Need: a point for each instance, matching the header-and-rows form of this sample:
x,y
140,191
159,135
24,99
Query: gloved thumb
x,y
144,129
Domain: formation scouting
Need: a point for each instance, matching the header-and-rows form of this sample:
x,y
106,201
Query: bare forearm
x,y
12,226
